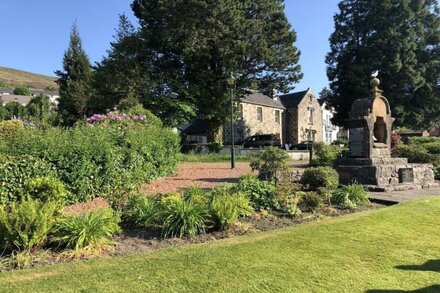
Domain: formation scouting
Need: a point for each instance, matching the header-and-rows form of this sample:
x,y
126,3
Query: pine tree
x,y
74,81
401,39
184,52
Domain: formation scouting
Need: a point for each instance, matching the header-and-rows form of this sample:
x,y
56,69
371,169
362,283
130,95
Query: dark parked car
x,y
262,140
305,145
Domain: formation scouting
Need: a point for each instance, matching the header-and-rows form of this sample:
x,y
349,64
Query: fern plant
x,y
92,230
226,208
25,225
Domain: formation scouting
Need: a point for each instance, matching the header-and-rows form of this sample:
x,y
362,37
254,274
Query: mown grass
x,y
211,158
396,248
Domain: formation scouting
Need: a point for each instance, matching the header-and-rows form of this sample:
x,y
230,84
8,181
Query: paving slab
x,y
404,195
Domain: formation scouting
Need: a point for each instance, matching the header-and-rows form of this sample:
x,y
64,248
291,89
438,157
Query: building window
x,y
260,114
310,113
240,112
277,116
311,135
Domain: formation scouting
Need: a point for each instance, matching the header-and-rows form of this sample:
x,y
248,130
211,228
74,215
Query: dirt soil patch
x,y
204,175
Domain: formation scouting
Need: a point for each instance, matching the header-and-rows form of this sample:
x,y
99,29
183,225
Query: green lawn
x,y
397,248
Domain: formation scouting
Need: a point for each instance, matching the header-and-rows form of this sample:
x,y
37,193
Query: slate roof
x,y
292,100
258,98
198,126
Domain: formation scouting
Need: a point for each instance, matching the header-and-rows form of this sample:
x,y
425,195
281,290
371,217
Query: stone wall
x,y
249,125
297,121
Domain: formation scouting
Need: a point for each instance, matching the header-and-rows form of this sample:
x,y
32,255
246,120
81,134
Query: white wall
x,y
330,131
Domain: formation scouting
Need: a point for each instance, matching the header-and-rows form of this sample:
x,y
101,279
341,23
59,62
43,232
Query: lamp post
x,y
231,83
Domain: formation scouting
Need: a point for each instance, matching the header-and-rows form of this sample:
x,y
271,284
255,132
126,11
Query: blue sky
x,y
35,34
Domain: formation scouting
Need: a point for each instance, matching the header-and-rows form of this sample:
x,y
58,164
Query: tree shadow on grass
x,y
429,266
430,289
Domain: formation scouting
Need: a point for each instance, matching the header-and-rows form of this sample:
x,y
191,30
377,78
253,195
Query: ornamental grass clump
x,y
350,196
184,218
87,231
141,211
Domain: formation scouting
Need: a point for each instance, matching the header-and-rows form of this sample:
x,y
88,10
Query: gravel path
x,y
205,175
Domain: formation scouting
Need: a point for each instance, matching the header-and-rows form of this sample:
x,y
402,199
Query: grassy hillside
x,y
13,77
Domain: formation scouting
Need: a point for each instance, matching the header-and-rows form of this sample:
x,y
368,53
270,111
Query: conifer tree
x,y
401,39
74,81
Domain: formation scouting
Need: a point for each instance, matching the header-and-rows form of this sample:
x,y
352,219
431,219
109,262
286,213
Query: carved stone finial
x,y
375,82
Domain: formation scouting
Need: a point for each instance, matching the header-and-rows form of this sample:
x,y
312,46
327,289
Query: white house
x,y
329,131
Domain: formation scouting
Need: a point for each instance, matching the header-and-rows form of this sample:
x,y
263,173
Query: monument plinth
x,y
369,161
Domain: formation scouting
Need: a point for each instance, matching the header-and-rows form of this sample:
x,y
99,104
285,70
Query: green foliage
x,y
25,259
14,110
195,194
22,91
227,207
106,160
26,225
17,172
10,128
350,196
211,158
205,40
320,177
74,81
270,162
92,230
407,64
325,155
46,189
310,201
416,154
184,218
141,211
288,196
260,193
38,109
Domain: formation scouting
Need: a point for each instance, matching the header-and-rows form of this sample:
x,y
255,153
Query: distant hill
x,y
14,77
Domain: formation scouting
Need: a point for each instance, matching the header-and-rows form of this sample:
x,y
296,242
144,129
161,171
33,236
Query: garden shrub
x,y
350,196
414,153
46,189
320,177
25,225
91,230
310,201
100,159
141,211
325,155
260,193
270,162
10,128
184,218
17,172
288,196
228,206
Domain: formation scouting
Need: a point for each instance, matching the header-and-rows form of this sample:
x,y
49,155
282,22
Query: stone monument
x,y
369,161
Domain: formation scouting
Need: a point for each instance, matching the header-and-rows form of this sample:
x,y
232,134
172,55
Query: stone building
x,y
257,113
303,118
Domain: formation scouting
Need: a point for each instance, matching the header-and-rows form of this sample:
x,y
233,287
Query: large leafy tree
x,y
185,51
74,81
401,39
